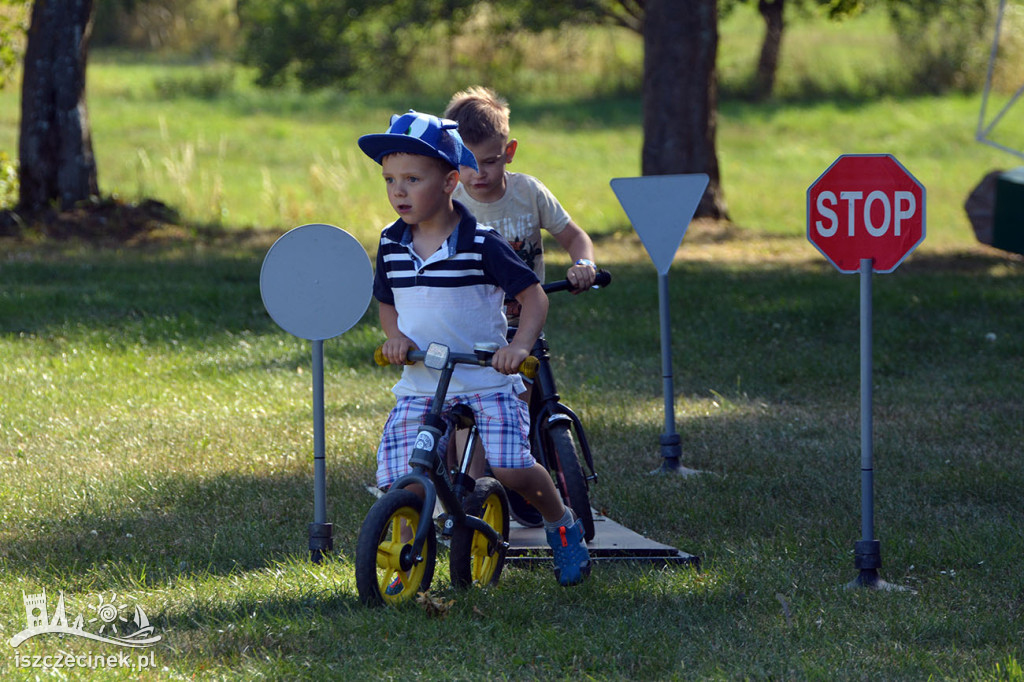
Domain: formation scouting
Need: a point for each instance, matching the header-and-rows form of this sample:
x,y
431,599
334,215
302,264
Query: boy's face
x,y
419,188
488,184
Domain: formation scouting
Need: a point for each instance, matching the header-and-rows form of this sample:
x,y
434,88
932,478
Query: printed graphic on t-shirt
x,y
528,251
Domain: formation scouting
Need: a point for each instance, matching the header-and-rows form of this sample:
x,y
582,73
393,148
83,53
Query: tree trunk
x,y
680,94
55,147
768,63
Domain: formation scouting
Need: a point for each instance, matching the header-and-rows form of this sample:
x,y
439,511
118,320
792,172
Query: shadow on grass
x,y
766,327
114,289
181,295
948,333
791,332
766,361
164,526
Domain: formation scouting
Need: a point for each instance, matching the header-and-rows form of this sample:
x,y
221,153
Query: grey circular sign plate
x,y
316,281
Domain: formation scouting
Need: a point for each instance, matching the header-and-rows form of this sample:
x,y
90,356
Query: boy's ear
x,y
451,181
510,149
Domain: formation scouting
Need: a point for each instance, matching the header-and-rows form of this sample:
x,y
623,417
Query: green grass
x,y
156,428
157,444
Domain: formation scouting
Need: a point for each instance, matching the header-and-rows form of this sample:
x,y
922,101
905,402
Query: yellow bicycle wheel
x,y
474,560
386,571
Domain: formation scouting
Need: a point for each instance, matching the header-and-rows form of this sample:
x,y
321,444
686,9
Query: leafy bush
x,y
1008,74
13,22
410,45
341,44
184,26
945,45
200,83
8,181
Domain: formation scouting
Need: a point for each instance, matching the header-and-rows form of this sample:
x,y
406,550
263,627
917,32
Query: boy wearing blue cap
x,y
442,277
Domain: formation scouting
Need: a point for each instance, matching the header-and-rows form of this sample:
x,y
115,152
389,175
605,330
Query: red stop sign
x,y
865,206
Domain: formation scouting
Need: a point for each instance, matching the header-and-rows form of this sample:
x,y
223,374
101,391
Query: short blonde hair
x,y
481,114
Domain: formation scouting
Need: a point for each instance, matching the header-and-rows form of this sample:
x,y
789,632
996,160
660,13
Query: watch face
x,y
437,356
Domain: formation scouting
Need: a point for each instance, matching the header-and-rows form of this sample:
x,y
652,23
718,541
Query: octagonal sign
x,y
866,206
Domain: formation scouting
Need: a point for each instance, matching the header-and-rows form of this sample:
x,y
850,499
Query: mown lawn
x,y
156,428
157,450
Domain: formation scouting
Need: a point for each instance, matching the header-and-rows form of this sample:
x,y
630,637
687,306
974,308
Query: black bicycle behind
x,y
557,437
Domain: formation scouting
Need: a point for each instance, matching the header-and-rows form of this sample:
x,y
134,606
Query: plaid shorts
x,y
502,419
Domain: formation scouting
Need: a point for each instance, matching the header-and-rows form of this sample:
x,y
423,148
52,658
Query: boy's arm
x,y
531,321
398,345
577,242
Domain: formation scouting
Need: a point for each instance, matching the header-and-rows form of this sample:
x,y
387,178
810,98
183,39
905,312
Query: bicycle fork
x,y
547,418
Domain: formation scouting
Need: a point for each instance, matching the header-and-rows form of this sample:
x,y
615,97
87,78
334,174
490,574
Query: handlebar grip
x,y
529,367
602,279
378,357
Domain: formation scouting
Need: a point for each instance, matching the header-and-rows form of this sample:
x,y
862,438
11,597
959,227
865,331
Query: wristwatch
x,y
584,261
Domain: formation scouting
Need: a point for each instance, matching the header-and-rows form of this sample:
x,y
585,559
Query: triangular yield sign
x,y
660,208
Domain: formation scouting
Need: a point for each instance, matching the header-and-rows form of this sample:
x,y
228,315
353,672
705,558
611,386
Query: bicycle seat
x,y
462,415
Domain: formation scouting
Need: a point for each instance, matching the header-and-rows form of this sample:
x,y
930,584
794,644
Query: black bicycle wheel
x,y
473,560
569,474
522,512
387,533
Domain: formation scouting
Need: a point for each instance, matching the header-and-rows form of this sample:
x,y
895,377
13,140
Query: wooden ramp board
x,y
612,542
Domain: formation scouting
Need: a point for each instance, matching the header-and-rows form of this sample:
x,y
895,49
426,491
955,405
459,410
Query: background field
x,y
156,431
201,138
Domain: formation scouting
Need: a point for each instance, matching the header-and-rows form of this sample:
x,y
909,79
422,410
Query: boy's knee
x,y
518,479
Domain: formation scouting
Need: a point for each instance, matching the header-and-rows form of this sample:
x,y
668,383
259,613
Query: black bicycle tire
x,y
569,474
465,540
378,520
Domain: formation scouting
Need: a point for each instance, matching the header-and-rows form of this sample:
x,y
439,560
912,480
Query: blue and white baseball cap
x,y
423,134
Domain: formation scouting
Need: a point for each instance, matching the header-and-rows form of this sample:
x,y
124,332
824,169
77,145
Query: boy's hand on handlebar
x,y
508,358
396,350
581,276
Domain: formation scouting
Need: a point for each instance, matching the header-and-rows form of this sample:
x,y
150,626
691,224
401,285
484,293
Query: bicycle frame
x,y
429,469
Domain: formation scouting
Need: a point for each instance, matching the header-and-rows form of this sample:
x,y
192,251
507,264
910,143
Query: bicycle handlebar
x,y
603,279
530,365
528,368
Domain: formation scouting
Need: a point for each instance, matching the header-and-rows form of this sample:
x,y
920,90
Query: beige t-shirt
x,y
526,208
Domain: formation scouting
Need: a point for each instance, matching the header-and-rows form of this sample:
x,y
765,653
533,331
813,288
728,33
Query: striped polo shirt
x,y
454,297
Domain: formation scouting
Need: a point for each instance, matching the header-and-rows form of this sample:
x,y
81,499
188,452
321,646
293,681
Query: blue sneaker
x,y
572,560
395,588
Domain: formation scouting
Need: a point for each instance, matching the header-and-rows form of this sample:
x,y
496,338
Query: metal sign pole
x,y
320,532
867,552
671,450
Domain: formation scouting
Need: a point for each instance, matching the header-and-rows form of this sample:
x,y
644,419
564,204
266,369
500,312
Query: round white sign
x,y
316,281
